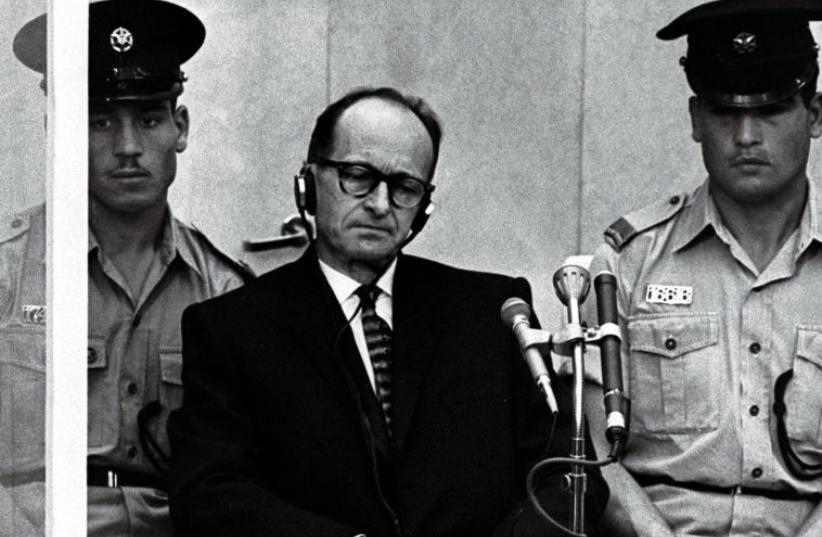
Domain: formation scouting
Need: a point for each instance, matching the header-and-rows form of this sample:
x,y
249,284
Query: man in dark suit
x,y
359,391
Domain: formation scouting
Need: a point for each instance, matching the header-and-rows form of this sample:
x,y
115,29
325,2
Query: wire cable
x,y
562,461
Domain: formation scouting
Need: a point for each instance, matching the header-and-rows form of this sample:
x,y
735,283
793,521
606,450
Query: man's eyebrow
x,y
396,173
153,107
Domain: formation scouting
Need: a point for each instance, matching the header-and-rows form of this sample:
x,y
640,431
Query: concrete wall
x,y
506,78
22,109
559,117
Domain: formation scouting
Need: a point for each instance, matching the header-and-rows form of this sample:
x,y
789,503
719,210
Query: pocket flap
x,y
96,352
23,346
171,366
809,343
673,335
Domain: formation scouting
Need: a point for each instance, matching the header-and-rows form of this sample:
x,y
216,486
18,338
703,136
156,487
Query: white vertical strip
x,y
67,281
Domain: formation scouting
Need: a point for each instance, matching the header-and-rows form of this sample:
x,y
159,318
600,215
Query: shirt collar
x,y
92,241
810,228
173,241
699,213
344,286
176,239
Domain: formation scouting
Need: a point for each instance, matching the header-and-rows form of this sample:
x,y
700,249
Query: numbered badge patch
x,y
669,294
34,314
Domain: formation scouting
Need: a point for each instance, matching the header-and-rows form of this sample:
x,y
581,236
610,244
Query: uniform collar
x,y
698,214
173,241
178,240
701,213
810,227
344,286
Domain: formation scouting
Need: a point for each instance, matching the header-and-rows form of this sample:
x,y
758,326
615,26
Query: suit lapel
x,y
415,305
321,327
330,345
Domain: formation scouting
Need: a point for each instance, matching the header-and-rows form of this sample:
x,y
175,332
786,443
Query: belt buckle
x,y
112,479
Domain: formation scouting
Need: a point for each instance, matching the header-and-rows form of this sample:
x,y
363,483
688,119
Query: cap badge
x,y
745,43
121,39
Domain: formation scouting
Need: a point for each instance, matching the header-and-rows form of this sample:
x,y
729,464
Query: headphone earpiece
x,y
423,214
305,193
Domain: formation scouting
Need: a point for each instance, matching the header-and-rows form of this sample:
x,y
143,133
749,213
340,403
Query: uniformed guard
x,y
23,355
720,296
22,372
145,266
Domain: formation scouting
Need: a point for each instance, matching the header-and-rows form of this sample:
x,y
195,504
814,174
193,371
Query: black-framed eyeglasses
x,y
359,179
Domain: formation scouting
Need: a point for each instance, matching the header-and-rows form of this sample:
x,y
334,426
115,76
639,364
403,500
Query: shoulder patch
x,y
242,268
629,226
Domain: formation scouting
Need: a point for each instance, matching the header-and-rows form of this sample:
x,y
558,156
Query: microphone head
x,y
605,277
513,308
572,282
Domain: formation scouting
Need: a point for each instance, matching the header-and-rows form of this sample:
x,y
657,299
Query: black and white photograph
x,y
372,268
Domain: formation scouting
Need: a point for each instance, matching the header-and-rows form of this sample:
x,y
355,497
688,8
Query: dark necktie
x,y
378,339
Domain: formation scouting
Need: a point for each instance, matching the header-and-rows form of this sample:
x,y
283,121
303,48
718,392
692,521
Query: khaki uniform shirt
x,y
702,352
134,358
22,372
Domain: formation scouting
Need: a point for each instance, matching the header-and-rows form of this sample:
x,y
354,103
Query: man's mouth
x,y
748,160
372,228
128,173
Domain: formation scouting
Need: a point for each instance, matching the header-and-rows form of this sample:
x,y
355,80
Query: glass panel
x,y
22,270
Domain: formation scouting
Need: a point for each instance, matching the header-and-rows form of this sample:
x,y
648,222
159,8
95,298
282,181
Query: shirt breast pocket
x,y
674,372
103,418
171,391
171,372
22,399
803,397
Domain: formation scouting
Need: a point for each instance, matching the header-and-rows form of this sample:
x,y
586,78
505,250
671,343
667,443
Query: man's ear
x,y
181,122
695,109
815,115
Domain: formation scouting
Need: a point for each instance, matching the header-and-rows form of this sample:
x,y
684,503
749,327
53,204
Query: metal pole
x,y
577,478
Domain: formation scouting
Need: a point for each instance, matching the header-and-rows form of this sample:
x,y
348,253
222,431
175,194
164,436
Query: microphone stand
x,y
572,284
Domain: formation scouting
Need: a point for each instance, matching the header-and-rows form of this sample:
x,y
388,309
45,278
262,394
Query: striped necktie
x,y
378,339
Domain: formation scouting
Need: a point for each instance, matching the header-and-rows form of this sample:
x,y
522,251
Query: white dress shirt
x,y
344,288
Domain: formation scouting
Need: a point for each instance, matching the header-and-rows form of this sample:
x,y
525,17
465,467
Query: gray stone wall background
x,y
559,116
23,164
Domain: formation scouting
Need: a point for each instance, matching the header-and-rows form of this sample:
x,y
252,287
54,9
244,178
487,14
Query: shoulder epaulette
x,y
242,268
629,226
14,225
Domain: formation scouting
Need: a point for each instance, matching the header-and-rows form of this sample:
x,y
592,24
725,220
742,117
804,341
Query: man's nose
x,y
747,130
128,141
378,200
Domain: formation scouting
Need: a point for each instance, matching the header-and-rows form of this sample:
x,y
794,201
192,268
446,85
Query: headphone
x,y
305,195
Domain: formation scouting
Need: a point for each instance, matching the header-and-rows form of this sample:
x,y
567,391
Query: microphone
x,y
516,314
605,285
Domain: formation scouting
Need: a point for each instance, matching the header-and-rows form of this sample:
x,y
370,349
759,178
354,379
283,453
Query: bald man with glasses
x,y
359,390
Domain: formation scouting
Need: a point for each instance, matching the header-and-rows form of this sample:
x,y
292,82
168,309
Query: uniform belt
x,y
102,476
792,495
19,479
